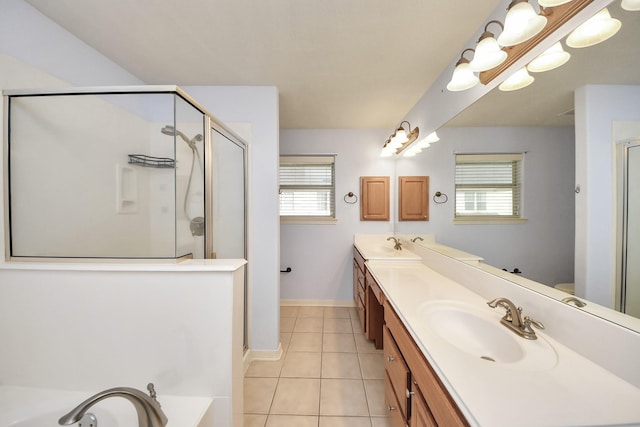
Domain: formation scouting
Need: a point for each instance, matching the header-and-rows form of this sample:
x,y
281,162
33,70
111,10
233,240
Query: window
x,y
307,189
488,187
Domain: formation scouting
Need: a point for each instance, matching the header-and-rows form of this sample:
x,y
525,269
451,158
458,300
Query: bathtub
x,y
34,407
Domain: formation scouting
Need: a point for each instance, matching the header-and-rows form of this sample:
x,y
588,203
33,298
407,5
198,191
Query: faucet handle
x,y
528,322
152,392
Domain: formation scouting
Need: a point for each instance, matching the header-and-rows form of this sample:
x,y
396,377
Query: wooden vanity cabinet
x,y
359,286
420,414
426,401
374,310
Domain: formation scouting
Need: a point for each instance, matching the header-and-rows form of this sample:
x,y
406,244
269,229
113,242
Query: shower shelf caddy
x,y
151,162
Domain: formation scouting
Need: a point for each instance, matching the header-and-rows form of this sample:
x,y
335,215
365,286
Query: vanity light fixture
x,y
521,23
631,5
413,151
433,137
594,30
488,53
518,80
552,3
399,137
387,149
399,140
423,144
551,58
463,77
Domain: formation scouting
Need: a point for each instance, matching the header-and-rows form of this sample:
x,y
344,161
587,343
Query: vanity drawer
x,y
396,369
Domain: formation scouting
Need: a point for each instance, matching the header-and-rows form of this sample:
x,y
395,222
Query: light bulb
x,y
518,80
521,24
551,58
594,30
463,77
488,55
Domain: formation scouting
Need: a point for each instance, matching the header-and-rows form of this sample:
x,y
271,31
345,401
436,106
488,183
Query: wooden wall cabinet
x,y
413,198
374,198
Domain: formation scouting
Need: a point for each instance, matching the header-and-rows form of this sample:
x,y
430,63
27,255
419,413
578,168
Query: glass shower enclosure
x,y
628,291
118,173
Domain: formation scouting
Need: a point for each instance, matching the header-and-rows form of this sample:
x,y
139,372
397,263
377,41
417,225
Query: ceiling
x,y
336,63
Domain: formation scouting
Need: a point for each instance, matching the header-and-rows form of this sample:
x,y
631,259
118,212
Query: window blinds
x,y
488,185
307,186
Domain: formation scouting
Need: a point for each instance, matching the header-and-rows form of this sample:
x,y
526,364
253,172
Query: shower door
x,y
630,294
228,237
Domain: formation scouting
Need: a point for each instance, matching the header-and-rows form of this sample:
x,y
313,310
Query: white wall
x,y
259,107
596,108
320,256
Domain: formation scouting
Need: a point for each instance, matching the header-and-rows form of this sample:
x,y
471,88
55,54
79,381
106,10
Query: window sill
x,y
308,221
489,221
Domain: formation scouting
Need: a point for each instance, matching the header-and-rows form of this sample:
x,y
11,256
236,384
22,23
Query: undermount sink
x,y
479,334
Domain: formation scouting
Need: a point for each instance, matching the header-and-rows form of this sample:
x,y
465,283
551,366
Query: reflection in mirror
x,y
538,121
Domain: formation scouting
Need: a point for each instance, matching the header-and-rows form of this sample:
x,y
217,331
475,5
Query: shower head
x,y
171,131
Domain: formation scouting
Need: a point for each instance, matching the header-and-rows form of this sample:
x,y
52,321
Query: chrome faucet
x,y
513,319
417,238
147,407
398,243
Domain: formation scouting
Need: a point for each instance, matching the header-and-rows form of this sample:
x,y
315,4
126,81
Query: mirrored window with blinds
x,y
488,187
307,189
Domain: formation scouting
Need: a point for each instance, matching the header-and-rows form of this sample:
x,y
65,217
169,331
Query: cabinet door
x,y
396,418
355,281
374,198
420,414
413,198
396,369
375,311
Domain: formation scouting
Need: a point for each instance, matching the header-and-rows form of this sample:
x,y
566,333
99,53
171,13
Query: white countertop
x,y
569,390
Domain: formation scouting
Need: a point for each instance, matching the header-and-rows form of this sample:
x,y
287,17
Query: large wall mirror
x,y
539,121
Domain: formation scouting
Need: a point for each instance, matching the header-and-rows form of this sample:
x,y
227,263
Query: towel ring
x,y
437,198
350,195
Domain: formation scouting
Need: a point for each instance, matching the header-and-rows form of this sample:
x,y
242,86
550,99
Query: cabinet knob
x,y
391,408
409,393
390,358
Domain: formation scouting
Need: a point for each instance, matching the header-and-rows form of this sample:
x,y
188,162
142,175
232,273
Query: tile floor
x,y
329,375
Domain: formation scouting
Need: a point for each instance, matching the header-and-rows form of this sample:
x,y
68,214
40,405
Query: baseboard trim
x,y
251,355
317,302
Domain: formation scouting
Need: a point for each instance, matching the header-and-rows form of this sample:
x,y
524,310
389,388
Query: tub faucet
x,y
513,319
398,244
147,407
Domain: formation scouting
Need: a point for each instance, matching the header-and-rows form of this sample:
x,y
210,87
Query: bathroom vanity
x,y
450,362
